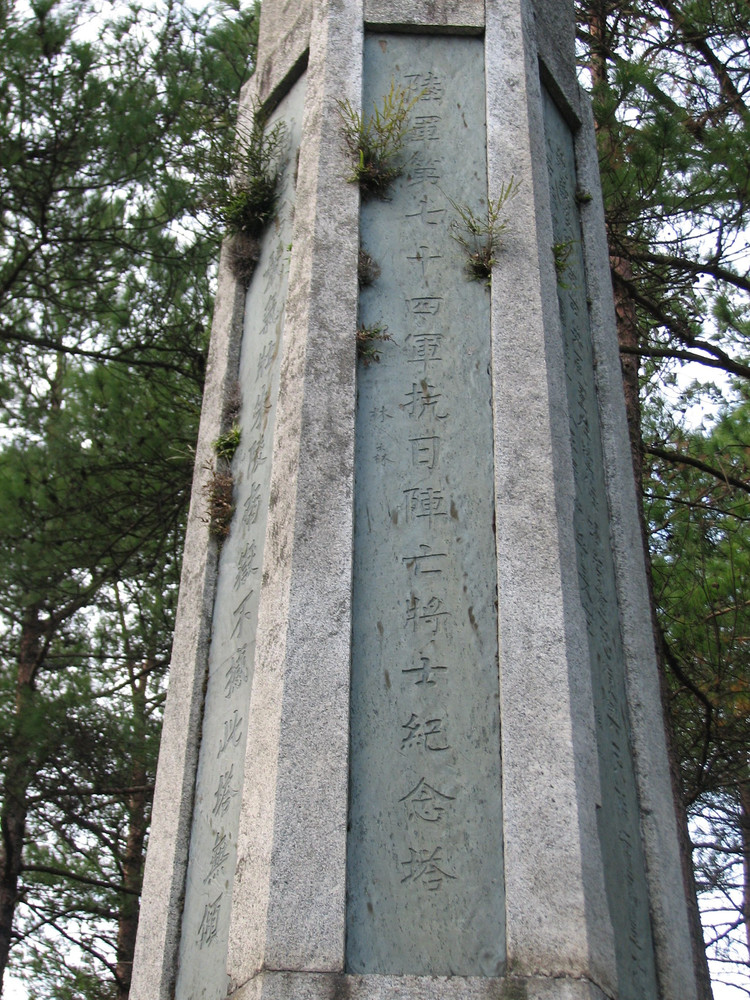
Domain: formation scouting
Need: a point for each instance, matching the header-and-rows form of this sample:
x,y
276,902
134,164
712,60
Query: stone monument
x,y
413,742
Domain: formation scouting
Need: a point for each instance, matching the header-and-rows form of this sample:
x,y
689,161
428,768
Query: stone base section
x,y
325,986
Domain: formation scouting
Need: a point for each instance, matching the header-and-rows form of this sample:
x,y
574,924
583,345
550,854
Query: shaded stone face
x,y
425,850
358,596
617,817
208,895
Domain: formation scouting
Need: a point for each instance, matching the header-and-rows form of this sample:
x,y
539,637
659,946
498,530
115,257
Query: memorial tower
x,y
413,744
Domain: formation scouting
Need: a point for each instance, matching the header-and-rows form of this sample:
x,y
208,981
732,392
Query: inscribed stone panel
x,y
425,882
212,856
618,812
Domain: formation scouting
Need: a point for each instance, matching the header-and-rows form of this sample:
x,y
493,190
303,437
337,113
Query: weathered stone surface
x,y
288,905
285,986
425,848
454,16
283,42
231,661
579,819
556,908
617,811
155,964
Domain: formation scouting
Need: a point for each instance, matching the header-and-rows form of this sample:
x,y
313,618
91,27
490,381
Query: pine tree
x,y
671,86
105,261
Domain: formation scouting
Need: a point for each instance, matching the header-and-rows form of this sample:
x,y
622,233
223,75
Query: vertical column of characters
x,y
212,854
424,845
423,690
619,827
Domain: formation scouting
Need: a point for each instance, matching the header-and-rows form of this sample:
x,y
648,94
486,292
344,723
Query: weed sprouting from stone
x,y
367,269
218,492
376,142
480,235
246,165
369,342
227,444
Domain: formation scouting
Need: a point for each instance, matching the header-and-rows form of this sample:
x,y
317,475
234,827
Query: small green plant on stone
x,y
367,269
227,444
218,492
480,236
250,201
246,165
561,253
376,142
369,341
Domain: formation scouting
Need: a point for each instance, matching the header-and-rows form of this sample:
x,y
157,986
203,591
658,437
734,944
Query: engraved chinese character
x,y
430,216
420,399
242,614
236,673
219,856
232,732
251,506
260,409
426,802
425,305
425,128
265,359
224,793
381,455
428,502
380,414
422,256
424,867
245,564
425,670
423,170
424,347
209,924
428,735
429,614
425,562
427,86
425,450
257,457
271,309
271,271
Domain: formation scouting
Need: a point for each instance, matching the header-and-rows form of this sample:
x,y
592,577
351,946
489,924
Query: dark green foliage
x,y
671,86
369,342
376,142
247,163
106,254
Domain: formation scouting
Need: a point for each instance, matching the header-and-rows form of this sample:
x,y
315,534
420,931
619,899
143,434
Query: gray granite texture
x,y
543,618
288,905
231,660
617,811
425,847
286,986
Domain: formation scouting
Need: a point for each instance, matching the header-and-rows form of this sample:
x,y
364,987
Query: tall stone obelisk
x,y
413,743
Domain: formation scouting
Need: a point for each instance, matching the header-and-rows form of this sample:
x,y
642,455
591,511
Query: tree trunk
x,y
745,831
18,776
628,336
133,858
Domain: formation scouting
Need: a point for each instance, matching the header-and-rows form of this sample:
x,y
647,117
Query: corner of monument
x,y
412,744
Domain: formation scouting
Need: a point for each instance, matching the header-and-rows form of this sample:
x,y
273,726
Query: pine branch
x,y
679,458
75,877
713,269
726,364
